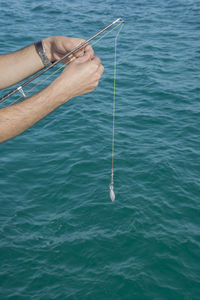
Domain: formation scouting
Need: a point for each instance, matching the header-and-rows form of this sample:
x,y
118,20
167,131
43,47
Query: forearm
x,y
17,118
18,65
80,77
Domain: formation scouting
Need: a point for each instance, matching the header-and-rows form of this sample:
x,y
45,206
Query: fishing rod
x,y
20,88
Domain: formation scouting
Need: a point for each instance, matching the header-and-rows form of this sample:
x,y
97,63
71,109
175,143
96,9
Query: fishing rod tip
x,y
118,20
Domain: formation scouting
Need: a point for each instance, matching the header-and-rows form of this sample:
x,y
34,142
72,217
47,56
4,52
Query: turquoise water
x,y
60,235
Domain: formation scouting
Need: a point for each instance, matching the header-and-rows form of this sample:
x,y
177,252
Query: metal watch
x,y
41,52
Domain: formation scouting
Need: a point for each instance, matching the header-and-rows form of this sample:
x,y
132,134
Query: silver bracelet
x,y
41,52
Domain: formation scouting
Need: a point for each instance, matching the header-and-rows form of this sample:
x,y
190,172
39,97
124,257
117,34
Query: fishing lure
x,y
112,194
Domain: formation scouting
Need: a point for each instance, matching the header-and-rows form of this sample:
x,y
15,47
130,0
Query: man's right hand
x,y
80,77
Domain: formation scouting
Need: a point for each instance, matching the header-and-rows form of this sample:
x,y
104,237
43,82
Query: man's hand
x,y
57,46
80,77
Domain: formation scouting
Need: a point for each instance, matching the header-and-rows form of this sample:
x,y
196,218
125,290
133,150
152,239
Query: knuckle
x,y
97,60
99,76
96,83
102,69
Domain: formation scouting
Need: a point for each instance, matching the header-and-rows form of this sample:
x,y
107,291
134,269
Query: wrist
x,y
47,44
59,91
41,51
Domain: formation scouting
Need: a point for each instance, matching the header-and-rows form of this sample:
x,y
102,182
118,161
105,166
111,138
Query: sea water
x,y
61,237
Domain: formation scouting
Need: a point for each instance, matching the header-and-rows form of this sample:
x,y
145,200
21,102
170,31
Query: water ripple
x,y
60,235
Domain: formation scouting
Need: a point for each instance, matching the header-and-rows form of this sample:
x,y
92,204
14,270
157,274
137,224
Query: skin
x,y
80,77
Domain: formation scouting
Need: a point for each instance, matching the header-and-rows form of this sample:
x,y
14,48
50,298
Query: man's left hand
x,y
57,46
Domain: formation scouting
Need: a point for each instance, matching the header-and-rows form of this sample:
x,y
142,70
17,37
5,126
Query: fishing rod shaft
x,y
20,88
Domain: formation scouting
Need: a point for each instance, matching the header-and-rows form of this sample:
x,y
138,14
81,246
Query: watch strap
x,y
41,52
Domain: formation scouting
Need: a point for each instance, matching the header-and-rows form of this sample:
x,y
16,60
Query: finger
x,y
77,42
81,51
85,49
101,69
99,72
68,59
88,48
84,58
96,60
71,60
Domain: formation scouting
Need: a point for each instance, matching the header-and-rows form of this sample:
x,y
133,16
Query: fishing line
x,y
104,35
112,194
